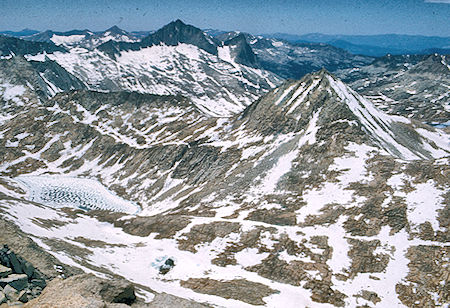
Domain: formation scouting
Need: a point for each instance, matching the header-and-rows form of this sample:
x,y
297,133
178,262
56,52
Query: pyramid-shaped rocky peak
x,y
178,32
241,51
293,101
116,30
339,112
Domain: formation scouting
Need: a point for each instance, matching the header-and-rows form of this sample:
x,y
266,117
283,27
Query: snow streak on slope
x,y
378,124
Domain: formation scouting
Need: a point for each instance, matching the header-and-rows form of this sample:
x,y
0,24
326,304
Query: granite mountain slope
x,y
309,196
181,56
177,59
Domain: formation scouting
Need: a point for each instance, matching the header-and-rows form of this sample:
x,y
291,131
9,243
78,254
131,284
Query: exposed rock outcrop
x,y
19,280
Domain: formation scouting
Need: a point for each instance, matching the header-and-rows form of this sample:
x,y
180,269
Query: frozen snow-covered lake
x,y
61,191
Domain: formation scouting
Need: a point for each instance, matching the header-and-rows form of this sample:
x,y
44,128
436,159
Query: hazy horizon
x,y
348,17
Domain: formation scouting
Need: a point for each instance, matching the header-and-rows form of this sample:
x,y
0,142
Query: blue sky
x,y
425,17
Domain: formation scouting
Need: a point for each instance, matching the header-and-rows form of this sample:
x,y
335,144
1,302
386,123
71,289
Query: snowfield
x,y
87,194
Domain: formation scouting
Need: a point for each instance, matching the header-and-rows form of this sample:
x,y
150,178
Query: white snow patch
x,y
353,164
225,54
249,257
277,44
423,204
66,40
12,92
40,57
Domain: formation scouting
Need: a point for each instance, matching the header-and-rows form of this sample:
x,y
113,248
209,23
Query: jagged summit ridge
x,y
83,38
435,63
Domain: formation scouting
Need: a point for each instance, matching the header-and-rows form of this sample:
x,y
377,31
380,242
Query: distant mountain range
x,y
200,64
368,45
374,45
24,32
10,46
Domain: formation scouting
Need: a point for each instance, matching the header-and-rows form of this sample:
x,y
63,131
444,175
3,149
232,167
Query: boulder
x,y
3,298
28,268
85,291
167,266
4,271
39,283
117,291
15,263
17,281
10,293
23,296
3,258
